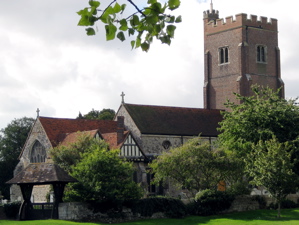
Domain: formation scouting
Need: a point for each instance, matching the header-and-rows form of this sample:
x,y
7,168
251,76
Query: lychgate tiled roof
x,y
167,120
42,173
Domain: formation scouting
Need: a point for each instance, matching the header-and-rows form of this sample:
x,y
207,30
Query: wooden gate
x,y
41,211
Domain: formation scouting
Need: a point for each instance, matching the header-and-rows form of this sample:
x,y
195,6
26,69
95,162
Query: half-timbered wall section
x,y
130,148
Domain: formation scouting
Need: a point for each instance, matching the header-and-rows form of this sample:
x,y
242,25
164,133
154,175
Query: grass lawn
x,y
267,217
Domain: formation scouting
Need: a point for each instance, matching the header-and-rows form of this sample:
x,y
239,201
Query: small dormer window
x,y
261,54
223,55
38,153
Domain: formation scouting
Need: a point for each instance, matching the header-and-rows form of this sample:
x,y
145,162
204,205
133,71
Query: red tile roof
x,y
57,128
167,120
73,137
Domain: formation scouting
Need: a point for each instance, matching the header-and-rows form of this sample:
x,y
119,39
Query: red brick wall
x,y
241,35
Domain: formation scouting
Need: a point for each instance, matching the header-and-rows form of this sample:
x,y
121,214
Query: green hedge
x,y
210,202
11,210
172,208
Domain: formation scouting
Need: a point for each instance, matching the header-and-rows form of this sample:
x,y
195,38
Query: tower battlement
x,y
218,25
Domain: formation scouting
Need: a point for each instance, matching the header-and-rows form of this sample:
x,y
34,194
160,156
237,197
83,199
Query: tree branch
x,y
136,7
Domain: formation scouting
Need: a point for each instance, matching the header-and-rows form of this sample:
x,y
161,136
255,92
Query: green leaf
x,y
95,4
110,32
90,31
123,25
178,19
170,30
123,7
165,39
138,42
117,8
170,19
121,36
131,31
151,1
134,21
174,4
132,44
110,10
145,46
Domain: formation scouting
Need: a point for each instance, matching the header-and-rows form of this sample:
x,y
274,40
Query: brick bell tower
x,y
239,52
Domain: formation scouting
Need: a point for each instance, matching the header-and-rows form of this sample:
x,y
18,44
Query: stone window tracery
x,y
38,153
223,55
166,144
261,54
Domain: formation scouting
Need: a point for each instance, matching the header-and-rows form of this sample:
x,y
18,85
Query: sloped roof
x,y
42,173
166,120
111,138
57,128
73,137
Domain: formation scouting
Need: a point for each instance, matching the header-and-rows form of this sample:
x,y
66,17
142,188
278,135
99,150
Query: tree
x,y
262,133
147,23
105,114
270,165
259,117
12,140
194,166
103,176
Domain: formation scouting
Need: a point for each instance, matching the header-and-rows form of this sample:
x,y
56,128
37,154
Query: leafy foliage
x,y
269,164
103,176
194,166
104,114
173,208
210,202
147,23
69,156
12,140
262,133
11,210
258,117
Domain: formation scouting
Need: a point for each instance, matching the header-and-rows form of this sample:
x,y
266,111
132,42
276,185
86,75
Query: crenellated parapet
x,y
241,20
211,15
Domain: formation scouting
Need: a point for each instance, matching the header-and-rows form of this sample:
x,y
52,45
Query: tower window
x,y
38,153
261,52
223,55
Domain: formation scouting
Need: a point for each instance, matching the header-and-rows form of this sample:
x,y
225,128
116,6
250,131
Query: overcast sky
x,y
47,61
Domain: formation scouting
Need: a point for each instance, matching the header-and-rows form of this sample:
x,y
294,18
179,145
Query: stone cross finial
x,y
37,111
211,6
122,97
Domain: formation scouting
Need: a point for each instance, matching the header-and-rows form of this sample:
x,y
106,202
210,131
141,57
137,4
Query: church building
x,y
239,52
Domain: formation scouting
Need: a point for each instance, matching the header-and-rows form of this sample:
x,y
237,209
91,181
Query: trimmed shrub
x,y
172,208
210,202
261,200
11,210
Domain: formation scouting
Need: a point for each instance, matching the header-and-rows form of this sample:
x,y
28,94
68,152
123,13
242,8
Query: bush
x,y
240,188
285,204
172,208
11,210
261,200
210,202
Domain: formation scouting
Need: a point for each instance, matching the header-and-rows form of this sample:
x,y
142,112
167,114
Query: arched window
x,y
38,153
261,53
223,55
